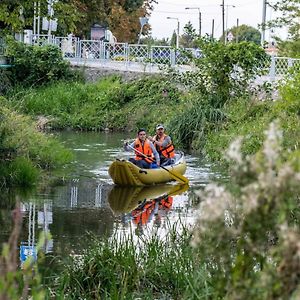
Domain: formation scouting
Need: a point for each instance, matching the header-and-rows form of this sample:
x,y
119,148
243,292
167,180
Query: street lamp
x,y
177,39
199,17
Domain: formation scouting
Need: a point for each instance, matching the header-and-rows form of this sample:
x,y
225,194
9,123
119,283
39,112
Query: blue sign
x,y
27,251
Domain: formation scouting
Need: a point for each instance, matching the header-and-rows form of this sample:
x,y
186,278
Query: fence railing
x,y
118,55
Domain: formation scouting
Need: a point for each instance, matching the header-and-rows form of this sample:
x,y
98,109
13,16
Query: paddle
x,y
176,176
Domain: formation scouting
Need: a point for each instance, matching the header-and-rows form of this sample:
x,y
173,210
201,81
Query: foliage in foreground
x,y
248,235
121,269
25,151
19,282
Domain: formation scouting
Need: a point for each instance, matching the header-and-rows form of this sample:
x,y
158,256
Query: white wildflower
x,y
272,144
234,151
250,197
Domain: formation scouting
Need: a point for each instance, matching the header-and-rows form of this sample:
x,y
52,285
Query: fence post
x,y
290,62
126,55
173,57
272,73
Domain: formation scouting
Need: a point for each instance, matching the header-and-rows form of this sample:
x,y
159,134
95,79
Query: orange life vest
x,y
168,151
166,203
141,216
145,149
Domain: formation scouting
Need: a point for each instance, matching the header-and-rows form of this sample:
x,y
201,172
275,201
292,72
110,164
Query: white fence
x,y
141,58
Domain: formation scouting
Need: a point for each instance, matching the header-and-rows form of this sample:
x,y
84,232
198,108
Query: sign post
x,y
230,36
143,22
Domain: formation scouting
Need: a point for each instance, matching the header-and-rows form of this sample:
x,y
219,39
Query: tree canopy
x,y
77,16
245,33
290,14
187,39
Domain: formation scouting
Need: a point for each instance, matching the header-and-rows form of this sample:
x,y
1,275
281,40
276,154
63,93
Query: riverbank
x,y
25,151
111,104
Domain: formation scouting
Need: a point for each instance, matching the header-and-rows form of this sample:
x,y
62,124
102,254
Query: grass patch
x,y
152,268
25,151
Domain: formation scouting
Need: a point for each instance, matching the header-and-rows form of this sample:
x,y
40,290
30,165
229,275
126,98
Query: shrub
x,y
248,236
37,65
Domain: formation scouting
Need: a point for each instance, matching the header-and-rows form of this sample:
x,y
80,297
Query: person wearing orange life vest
x,y
143,145
164,146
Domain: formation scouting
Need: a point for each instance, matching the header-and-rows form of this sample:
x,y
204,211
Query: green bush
x,y
37,65
248,235
18,172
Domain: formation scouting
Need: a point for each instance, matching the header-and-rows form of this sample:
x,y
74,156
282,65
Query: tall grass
x,y
251,119
153,268
24,150
106,103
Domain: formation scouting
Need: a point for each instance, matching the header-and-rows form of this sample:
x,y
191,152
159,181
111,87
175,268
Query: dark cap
x,y
140,130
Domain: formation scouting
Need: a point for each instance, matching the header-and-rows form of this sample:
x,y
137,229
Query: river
x,y
86,201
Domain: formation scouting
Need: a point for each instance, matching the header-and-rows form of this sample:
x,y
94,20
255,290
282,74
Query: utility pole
x,y
223,20
212,28
237,30
36,18
200,21
263,26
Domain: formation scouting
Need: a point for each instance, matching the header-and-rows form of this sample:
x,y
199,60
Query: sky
x,y
247,11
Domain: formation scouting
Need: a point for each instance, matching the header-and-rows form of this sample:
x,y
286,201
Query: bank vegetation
x,y
245,243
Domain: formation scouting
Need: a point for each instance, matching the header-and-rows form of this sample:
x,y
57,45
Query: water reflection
x,y
144,205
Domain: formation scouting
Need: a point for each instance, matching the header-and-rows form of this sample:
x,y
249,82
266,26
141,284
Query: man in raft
x,y
163,145
145,153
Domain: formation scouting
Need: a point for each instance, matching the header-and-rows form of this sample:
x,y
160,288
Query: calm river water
x,y
88,202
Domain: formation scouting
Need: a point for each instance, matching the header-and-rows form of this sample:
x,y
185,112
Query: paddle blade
x,y
177,176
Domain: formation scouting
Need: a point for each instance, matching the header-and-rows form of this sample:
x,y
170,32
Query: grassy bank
x,y
192,119
24,150
109,103
250,119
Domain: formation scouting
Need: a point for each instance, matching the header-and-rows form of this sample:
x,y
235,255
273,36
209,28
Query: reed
x,y
151,268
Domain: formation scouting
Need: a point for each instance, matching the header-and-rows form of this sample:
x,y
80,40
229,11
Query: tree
x,y
15,16
120,16
245,33
12,15
173,39
78,16
290,14
187,40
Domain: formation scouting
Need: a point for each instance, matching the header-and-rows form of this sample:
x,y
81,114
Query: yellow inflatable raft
x,y
126,173
125,199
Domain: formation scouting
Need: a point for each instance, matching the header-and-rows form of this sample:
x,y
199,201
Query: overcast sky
x,y
247,11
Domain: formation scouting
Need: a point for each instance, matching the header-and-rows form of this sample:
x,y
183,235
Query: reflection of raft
x,y
125,199
127,174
